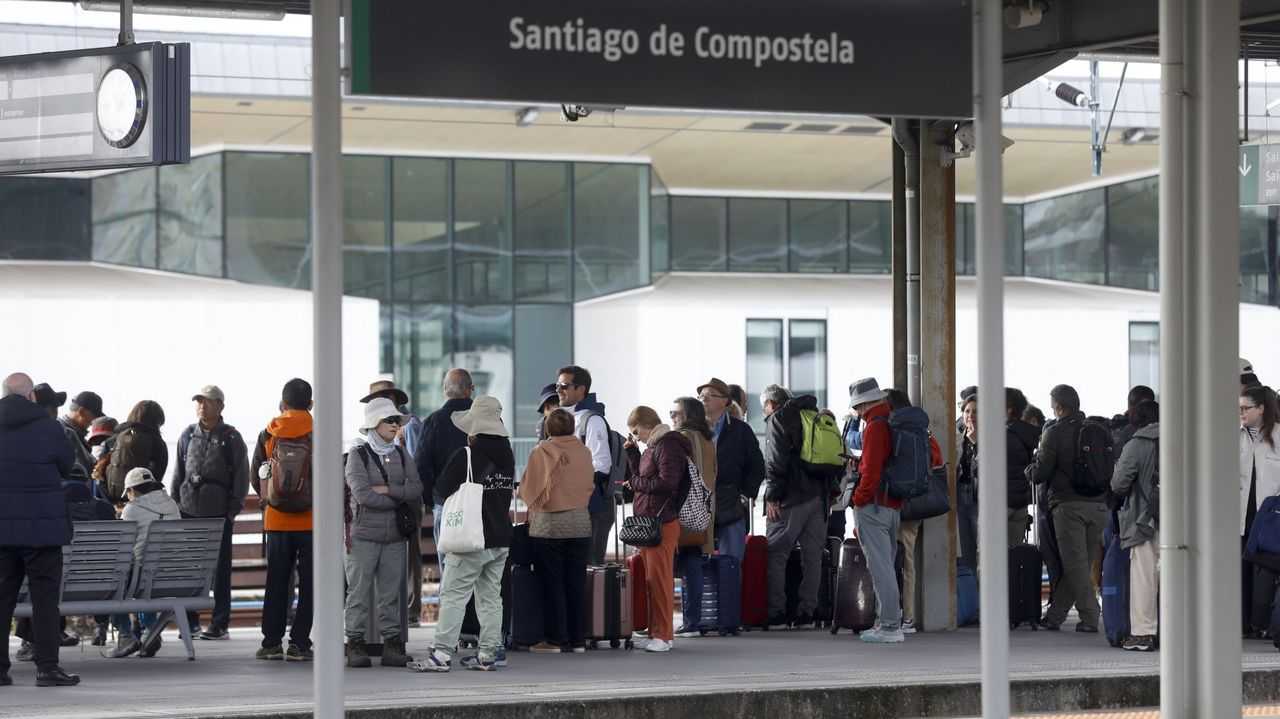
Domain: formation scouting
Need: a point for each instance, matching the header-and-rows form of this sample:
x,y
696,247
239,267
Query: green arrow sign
x,y
1259,169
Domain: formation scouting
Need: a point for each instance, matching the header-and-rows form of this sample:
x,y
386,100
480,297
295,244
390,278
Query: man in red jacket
x,y
877,513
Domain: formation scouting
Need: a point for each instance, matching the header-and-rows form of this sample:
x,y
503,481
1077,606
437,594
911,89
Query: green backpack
x,y
821,444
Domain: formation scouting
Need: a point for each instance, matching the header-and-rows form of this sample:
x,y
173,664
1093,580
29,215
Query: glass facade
x,y
1064,237
757,235
610,228
45,219
190,204
699,236
807,358
819,236
267,221
543,231
1133,237
124,218
764,364
1144,355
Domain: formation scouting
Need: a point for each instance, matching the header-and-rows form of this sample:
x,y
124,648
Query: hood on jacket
x,y
16,411
291,424
156,502
590,403
1025,432
804,401
1151,431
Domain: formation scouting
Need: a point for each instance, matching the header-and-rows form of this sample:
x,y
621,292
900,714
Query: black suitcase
x,y
825,609
794,576
855,598
526,628
1025,582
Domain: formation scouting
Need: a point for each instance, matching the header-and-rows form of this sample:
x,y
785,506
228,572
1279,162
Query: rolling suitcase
x,y
526,628
755,593
610,601
1115,587
639,592
825,611
721,596
855,597
1025,573
794,576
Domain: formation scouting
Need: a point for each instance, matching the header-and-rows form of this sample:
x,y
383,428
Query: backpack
x,y
288,483
906,473
133,448
1095,458
617,456
821,445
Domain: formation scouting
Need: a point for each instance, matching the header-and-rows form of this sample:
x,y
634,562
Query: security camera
x,y
968,139
573,113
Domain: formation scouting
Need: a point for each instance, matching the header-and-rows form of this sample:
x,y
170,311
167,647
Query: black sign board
x,y
98,108
908,58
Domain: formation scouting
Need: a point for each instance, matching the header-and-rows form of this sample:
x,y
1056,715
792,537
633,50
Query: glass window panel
x,y
1254,260
764,364
542,232
819,241
365,254
45,219
387,347
1064,237
870,237
807,358
698,241
1013,240
124,218
758,235
1144,355
268,218
610,228
420,338
544,343
1133,236
481,230
483,347
659,223
966,239
191,216
420,229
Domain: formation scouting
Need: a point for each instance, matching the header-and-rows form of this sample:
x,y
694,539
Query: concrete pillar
x,y
938,371
1199,344
899,259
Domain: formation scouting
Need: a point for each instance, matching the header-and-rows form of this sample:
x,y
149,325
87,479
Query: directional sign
x,y
90,109
1259,174
867,57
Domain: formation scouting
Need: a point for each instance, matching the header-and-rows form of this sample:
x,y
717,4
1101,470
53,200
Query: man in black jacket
x,y
741,468
1020,449
796,506
34,457
438,442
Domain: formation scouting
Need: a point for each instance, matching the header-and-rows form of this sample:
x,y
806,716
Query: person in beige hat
x,y
487,460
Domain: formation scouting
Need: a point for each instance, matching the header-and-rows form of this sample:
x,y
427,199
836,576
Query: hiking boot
x,y
269,653
296,653
99,635
150,648
126,643
357,655
26,652
393,652
435,661
1139,643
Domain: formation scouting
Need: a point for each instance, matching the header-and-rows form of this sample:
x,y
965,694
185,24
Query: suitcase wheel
x,y
614,643
1035,626
703,632
629,645
834,630
1013,625
724,632
593,644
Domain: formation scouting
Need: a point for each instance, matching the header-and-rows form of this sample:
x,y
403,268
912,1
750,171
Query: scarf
x,y
656,434
558,476
380,446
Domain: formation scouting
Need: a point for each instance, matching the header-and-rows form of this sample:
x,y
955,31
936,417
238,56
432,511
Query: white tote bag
x,y
463,529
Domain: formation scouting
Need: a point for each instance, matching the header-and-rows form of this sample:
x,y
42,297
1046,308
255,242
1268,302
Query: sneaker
x,y
882,636
213,633
544,647
126,644
272,652
804,621
576,649
296,653
1086,628
908,626
26,652
641,633
434,661
99,635
657,645
777,621
68,640
500,659
1139,643
689,632
150,648
1046,624
479,662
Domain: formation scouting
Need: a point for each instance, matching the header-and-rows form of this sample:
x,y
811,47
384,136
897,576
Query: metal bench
x,y
174,575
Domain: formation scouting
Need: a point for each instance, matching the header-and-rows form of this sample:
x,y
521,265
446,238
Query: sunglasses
x,y
675,415
563,385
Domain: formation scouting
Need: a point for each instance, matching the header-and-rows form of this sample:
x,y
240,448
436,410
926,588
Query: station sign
x,y
906,58
125,106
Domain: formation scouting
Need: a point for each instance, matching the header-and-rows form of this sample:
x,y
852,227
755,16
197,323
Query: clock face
x,y
122,105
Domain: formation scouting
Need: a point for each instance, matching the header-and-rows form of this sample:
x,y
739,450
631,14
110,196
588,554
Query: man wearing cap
x,y
1247,378
548,400
877,514
796,505
49,399
741,467
84,408
34,457
211,479
407,434
438,441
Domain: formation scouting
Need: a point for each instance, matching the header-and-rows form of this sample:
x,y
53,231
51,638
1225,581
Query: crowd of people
x,y
85,466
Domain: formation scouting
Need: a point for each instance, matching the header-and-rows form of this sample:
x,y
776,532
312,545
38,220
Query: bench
x,y
174,576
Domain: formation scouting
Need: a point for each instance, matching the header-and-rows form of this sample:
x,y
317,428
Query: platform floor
x,y
226,680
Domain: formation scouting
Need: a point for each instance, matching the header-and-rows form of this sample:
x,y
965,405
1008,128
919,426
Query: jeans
x,y
731,539
691,565
805,523
366,563
285,550
1078,526
967,518
42,566
561,564
878,534
479,573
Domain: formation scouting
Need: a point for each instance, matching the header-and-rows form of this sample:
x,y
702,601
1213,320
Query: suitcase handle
x,y
617,543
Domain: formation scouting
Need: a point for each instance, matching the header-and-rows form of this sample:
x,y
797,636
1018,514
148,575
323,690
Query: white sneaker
x,y
908,626
881,636
658,645
434,661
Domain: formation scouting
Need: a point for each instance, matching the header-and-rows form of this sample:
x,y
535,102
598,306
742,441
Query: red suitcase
x,y
755,593
639,592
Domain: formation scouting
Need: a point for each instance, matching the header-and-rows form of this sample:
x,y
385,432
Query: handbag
x,y
406,520
695,513
935,501
1263,547
642,531
463,519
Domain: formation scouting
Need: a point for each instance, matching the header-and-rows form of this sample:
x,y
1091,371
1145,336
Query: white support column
x,y
1200,314
326,293
993,490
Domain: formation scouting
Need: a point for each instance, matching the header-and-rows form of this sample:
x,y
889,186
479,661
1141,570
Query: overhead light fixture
x,y
224,13
1069,94
1024,14
526,116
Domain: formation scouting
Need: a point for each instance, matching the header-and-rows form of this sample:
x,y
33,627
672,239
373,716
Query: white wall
x,y
134,334
651,346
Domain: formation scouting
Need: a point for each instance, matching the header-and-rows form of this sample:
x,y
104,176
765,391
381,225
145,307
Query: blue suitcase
x,y
721,596
526,628
1115,587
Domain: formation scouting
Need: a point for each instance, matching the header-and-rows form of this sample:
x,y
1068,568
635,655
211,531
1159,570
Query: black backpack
x,y
1095,459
